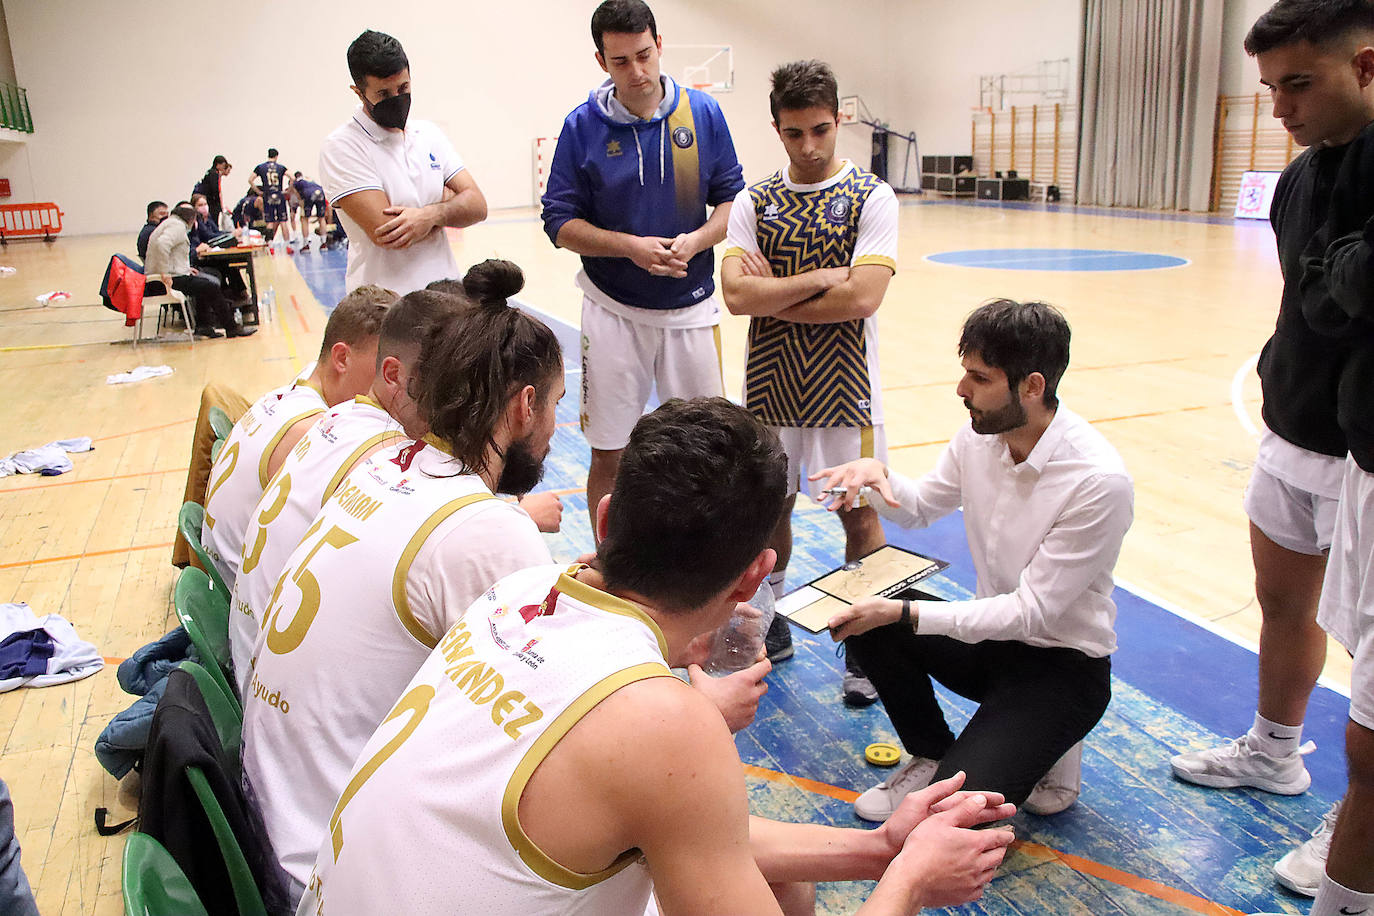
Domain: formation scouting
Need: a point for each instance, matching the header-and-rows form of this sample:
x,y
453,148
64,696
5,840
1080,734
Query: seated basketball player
x,y
544,760
268,430
1046,503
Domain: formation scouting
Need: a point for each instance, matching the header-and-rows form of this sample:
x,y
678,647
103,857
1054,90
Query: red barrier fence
x,y
27,221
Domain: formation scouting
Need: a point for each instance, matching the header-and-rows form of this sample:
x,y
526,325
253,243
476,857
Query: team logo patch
x,y
683,138
434,163
401,487
770,211
838,209
613,148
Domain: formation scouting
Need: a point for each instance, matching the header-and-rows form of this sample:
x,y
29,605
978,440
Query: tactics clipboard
x,y
887,571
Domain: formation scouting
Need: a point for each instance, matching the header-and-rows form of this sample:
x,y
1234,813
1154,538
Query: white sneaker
x,y
1239,764
1059,788
1302,869
878,803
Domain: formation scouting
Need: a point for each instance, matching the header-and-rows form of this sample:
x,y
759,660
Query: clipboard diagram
x,y
886,572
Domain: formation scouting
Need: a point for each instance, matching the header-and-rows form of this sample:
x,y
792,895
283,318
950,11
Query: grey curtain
x,y
1148,98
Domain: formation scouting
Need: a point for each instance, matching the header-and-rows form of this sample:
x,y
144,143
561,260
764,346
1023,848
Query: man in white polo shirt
x,y
396,182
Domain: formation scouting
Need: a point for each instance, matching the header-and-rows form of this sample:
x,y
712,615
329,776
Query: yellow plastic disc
x,y
883,754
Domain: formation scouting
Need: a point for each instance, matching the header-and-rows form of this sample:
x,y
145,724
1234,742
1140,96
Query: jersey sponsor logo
x,y
613,149
770,211
496,637
683,138
543,608
257,690
434,163
698,292
402,488
838,209
407,455
530,657
484,685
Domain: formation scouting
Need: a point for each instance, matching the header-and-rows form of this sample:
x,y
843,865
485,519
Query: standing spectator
x,y
209,185
395,182
169,253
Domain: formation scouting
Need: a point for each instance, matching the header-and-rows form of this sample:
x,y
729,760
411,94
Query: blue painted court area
x,y
1071,259
1137,843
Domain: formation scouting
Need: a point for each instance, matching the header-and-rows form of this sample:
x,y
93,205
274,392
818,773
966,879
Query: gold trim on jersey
x,y
266,458
535,858
733,252
313,386
603,601
357,454
398,579
367,399
879,259
866,442
436,442
686,162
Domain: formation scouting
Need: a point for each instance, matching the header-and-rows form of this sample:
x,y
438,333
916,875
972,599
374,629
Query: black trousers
x,y
212,309
1034,703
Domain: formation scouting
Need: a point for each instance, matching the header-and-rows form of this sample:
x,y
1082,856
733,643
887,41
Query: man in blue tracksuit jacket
x,y
635,168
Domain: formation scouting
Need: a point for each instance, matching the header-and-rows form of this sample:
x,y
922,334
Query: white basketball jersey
x,y
394,558
306,480
428,821
239,474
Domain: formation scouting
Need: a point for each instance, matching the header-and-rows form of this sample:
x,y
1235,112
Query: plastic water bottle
x,y
267,301
737,644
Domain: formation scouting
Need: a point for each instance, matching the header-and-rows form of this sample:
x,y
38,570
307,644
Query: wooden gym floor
x,y
1162,364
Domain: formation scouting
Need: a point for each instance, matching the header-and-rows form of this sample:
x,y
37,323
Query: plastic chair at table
x,y
190,521
154,885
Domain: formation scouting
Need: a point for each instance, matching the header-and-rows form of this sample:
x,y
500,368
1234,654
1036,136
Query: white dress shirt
x,y
1044,534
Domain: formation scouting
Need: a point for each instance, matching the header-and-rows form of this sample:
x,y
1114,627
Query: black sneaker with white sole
x,y
778,641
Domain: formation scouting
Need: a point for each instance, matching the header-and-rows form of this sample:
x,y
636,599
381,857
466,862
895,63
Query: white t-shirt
x,y
239,474
394,558
428,822
306,480
411,167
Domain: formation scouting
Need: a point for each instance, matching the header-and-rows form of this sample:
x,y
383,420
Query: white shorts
x,y
810,449
1346,610
623,360
1290,516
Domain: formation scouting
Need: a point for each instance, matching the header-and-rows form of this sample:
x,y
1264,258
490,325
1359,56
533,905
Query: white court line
x,y
1095,255
1216,629
1238,395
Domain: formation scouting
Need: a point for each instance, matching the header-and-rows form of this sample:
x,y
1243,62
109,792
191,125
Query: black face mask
x,y
391,112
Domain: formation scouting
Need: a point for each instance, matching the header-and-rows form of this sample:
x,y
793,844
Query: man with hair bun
x,y
406,542
1316,57
1046,503
267,432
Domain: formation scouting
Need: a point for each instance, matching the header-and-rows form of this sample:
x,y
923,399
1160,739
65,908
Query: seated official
x,y
1046,503
157,212
203,237
169,253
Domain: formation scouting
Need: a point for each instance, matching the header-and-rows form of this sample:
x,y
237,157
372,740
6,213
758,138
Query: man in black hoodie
x,y
1317,59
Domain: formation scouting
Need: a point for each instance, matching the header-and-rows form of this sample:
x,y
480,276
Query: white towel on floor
x,y
50,459
72,659
138,375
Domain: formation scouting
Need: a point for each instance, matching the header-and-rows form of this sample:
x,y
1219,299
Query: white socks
x,y
775,582
1274,739
1334,899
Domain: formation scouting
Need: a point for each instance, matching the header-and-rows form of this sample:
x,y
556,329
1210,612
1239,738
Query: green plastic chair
x,y
220,423
206,619
224,708
246,893
215,448
190,521
154,885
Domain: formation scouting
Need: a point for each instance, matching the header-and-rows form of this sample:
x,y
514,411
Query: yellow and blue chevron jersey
x,y
811,375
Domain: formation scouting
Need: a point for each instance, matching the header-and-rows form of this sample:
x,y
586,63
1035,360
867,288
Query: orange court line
x,y
1083,866
112,659
89,553
569,491
72,483
299,314
150,429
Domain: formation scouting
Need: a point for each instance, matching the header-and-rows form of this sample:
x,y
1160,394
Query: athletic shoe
x,y
1058,789
878,803
206,332
777,642
1302,869
856,688
241,332
1240,764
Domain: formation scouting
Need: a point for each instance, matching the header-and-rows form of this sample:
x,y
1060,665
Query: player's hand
x,y
755,264
945,861
688,245
864,615
735,695
935,798
655,255
545,508
407,226
862,472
